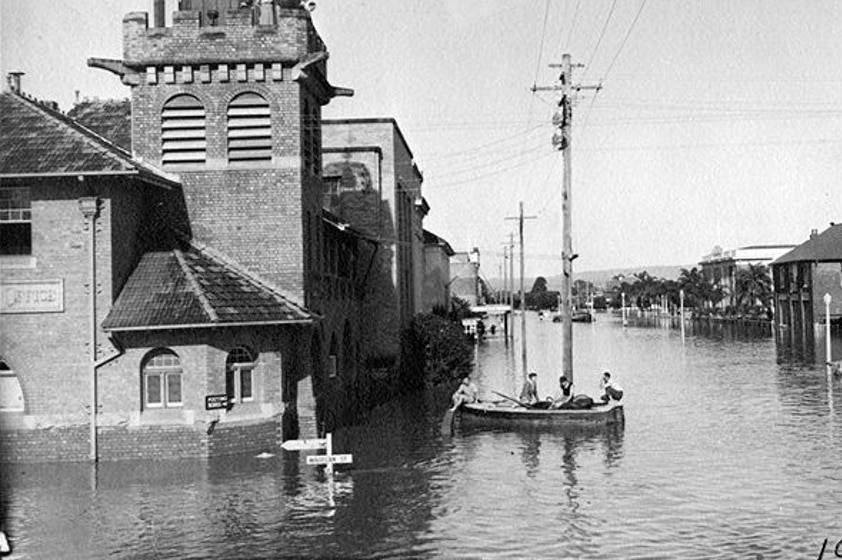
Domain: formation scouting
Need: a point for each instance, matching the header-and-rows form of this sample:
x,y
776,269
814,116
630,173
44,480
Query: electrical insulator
x,y
558,118
559,141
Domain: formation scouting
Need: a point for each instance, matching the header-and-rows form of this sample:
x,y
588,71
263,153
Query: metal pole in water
x,y
681,311
827,349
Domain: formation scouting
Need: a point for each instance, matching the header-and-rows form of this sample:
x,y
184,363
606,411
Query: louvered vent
x,y
183,140
249,129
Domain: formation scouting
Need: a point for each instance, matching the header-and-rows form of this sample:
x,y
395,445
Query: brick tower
x,y
229,99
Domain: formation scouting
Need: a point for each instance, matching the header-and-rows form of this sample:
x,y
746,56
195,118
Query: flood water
x,y
725,453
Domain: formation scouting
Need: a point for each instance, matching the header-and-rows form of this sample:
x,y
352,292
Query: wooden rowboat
x,y
506,414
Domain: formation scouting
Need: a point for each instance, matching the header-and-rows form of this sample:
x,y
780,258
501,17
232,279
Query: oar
x,y
514,400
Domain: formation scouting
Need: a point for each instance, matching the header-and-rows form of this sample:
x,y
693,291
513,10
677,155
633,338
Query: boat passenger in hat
x,y
611,391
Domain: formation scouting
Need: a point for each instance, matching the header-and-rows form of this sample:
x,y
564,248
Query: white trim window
x,y
162,380
239,376
15,221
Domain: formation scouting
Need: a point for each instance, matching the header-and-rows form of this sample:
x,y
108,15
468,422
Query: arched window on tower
x,y
249,129
183,133
11,395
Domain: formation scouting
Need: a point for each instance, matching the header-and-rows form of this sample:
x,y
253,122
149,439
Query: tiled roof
x,y
111,119
188,288
37,140
824,247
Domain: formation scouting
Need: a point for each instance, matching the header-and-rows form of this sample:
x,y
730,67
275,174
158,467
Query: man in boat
x,y
529,393
611,391
466,393
564,396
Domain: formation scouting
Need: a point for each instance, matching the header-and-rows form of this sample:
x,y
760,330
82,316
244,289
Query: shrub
x,y
436,352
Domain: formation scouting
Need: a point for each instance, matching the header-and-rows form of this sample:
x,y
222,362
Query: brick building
x,y
437,253
227,305
373,183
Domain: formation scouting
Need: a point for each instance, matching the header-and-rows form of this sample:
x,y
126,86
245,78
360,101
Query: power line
x,y
601,36
626,38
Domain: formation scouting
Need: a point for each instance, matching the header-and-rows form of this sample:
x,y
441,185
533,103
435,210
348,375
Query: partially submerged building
x,y
188,289
802,278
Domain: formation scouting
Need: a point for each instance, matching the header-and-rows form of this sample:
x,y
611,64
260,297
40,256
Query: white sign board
x,y
301,444
45,296
329,459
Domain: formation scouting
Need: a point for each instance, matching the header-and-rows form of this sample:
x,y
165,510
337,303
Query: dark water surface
x,y
725,454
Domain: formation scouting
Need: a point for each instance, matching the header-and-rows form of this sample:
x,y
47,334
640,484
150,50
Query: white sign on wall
x,y
44,296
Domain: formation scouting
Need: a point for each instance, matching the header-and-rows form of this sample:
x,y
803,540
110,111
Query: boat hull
x,y
503,414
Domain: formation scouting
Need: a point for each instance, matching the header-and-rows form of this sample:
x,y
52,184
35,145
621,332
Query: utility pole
x,y
512,282
504,295
520,219
562,141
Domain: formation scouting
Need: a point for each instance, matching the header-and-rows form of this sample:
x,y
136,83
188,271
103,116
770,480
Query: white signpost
x,y
302,444
328,459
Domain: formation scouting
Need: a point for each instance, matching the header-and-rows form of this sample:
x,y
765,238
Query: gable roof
x,y
824,247
37,140
110,118
186,287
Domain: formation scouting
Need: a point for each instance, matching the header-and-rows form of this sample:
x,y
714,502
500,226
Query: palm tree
x,y
753,289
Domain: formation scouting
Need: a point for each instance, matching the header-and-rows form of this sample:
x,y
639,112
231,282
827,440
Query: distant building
x,y
464,277
437,253
720,267
803,276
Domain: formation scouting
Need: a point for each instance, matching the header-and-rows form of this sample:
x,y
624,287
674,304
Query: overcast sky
x,y
719,121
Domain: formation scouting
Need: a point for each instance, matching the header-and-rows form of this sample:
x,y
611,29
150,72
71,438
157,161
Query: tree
x,y
540,285
753,289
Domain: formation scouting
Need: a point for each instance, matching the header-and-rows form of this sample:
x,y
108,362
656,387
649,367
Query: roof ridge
x,y
248,275
195,287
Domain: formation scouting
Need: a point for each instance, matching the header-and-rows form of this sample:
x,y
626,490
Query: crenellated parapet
x,y
241,39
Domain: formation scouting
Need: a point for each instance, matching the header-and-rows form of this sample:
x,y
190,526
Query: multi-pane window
x,y
15,221
249,129
183,133
239,376
162,380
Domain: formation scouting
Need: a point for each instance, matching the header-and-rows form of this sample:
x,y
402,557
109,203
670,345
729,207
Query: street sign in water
x,y
301,444
329,459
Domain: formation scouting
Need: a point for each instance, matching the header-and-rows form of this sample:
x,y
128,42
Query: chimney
x,y
814,233
14,81
159,15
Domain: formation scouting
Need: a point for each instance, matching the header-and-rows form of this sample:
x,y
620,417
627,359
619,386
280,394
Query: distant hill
x,y
600,277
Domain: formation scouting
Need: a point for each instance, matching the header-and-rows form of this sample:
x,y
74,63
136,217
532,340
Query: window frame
x,y
237,369
16,214
166,374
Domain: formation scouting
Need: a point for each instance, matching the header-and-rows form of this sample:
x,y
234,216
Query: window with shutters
x,y
249,129
183,134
